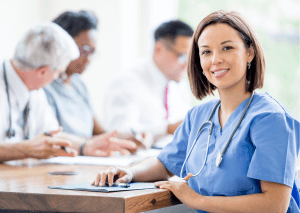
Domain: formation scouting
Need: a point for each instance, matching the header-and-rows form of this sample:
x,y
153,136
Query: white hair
x,y
46,44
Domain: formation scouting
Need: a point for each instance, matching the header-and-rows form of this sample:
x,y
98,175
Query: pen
x,y
123,185
137,136
62,147
133,132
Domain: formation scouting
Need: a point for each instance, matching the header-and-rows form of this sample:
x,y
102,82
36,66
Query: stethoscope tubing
x,y
237,126
8,100
198,133
219,157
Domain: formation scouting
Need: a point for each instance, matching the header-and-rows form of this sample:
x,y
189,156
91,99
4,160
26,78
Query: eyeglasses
x,y
86,50
181,57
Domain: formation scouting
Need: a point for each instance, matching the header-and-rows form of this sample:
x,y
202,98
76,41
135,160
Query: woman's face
x,y
86,42
223,56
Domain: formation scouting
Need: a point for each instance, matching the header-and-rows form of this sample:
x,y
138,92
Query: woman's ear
x,y
250,53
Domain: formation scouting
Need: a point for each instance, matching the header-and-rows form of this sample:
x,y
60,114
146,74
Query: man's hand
x,y
102,145
43,147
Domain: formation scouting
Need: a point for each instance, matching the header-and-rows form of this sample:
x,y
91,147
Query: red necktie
x,y
166,101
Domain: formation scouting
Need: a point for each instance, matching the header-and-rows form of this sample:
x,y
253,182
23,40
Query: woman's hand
x,y
182,191
120,175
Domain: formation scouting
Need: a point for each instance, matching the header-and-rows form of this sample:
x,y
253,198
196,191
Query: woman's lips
x,y
219,73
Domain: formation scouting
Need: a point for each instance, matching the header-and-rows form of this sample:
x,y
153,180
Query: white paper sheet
x,y
162,142
105,161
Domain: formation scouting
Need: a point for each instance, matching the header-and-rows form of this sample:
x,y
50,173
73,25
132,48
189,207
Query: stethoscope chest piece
x,y
219,159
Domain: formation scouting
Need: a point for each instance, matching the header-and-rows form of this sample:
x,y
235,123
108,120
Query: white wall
x,y
109,43
16,16
125,32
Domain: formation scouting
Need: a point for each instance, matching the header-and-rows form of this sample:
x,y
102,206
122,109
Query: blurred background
x,y
126,35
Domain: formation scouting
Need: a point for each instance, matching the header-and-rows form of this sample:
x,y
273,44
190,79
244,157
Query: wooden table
x,y
24,186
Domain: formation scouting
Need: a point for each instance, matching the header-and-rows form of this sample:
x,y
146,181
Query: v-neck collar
x,y
64,88
233,118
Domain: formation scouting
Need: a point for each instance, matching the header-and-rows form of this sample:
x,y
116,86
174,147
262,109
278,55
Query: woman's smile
x,y
219,73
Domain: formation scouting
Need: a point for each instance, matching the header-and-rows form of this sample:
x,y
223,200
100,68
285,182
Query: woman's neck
x,y
67,79
230,100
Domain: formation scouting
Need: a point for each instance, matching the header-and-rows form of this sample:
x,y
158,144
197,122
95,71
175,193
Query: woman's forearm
x,y
151,169
275,199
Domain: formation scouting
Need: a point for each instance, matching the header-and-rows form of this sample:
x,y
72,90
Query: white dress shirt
x,y
135,100
41,117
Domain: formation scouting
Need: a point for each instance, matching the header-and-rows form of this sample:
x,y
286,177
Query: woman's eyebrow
x,y
224,42
203,46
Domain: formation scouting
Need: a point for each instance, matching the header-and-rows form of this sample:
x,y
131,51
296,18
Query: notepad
x,y
89,187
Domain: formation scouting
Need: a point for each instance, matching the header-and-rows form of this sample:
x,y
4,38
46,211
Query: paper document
x,y
102,161
89,187
105,161
162,142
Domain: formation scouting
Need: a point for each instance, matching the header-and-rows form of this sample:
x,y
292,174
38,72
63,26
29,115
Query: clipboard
x,y
90,188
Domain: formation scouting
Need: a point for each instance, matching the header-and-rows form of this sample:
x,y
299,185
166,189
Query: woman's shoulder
x,y
78,82
264,105
51,89
54,87
205,107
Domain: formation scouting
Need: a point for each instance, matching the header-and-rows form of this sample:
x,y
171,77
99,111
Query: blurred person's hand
x,y
103,145
132,137
43,147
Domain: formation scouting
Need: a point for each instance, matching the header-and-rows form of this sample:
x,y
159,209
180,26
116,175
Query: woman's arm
x,y
98,129
274,198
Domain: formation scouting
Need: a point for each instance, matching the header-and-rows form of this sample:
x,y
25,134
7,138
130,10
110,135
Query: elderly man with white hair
x,y
27,122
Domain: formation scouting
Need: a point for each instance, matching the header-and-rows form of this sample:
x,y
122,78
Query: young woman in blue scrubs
x,y
258,169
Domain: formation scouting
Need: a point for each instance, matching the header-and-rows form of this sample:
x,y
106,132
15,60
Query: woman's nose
x,y
217,58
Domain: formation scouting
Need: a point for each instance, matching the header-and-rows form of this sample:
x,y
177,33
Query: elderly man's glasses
x,y
181,57
86,50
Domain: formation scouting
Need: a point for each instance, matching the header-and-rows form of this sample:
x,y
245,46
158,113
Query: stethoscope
x,y
220,154
10,132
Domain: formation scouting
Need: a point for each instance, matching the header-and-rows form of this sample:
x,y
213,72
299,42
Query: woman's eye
x,y
205,52
227,48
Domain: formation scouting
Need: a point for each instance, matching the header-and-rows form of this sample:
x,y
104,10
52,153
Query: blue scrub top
x,y
264,147
72,106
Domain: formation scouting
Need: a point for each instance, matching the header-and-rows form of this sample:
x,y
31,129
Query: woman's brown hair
x,y
200,86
